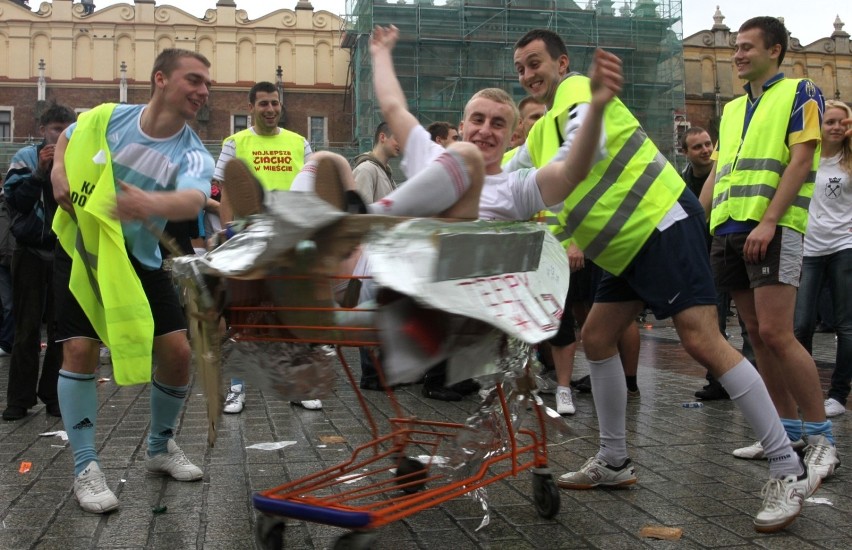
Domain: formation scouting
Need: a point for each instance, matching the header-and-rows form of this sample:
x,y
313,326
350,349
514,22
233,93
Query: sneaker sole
x,y
619,485
101,510
760,528
181,478
245,193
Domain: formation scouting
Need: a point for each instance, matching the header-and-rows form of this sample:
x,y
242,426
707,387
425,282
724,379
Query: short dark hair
x,y
552,41
440,129
527,100
57,113
262,86
168,59
773,30
691,131
382,128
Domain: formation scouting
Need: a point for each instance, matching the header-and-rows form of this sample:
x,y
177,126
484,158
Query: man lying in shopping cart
x,y
464,181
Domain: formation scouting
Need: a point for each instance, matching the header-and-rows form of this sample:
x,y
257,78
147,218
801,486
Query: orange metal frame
x,y
388,496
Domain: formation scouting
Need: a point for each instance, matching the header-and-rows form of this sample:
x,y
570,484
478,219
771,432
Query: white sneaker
x,y
174,463
783,500
91,491
104,356
565,402
833,407
310,404
596,472
821,456
755,450
236,399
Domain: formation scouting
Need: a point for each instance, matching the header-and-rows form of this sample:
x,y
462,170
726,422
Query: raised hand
x,y
606,76
383,38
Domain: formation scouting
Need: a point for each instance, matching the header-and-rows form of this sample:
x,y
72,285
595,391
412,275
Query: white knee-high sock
x,y
430,192
748,391
610,395
305,179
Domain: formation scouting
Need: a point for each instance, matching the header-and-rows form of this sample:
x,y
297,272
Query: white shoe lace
x,y
772,493
816,454
231,398
94,484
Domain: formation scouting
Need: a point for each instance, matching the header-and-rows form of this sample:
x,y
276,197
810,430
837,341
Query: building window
x,y
81,110
318,131
5,123
239,123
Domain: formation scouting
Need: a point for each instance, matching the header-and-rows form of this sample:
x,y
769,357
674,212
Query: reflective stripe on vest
x,y
613,212
750,166
274,160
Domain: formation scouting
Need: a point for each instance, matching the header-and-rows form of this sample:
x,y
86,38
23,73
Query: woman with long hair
x,y
828,249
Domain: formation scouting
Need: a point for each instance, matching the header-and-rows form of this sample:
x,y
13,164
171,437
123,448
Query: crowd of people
x,y
755,216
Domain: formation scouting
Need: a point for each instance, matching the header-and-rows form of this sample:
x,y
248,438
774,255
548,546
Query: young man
x,y
275,156
29,196
530,109
760,187
634,217
119,170
443,133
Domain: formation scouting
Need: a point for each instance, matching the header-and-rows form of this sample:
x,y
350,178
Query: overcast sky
x,y
807,21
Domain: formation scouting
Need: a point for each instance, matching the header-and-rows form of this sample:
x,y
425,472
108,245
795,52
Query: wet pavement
x,y
687,476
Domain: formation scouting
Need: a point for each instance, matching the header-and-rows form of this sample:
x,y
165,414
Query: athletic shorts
x,y
565,335
584,284
670,273
72,322
782,264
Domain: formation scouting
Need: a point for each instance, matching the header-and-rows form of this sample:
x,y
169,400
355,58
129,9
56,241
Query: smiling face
x,y
488,124
754,61
833,129
538,72
265,113
186,88
698,149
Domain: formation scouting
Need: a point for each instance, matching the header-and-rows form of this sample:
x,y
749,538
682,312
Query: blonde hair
x,y
499,96
846,145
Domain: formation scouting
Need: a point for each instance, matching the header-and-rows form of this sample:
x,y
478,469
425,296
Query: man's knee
x,y
80,355
472,159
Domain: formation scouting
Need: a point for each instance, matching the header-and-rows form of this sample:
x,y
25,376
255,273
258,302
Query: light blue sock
x,y
820,428
78,400
166,404
793,427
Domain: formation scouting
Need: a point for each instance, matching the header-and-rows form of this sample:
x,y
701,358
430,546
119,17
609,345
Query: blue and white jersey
x,y
175,163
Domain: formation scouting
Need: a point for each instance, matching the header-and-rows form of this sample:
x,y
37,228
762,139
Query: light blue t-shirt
x,y
169,164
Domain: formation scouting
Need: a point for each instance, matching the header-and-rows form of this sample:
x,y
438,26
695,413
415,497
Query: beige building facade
x,y
61,51
711,79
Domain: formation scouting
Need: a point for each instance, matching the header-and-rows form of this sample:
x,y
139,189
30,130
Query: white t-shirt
x,y
830,213
505,196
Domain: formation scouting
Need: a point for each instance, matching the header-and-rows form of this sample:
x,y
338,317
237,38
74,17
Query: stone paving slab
x,y
688,478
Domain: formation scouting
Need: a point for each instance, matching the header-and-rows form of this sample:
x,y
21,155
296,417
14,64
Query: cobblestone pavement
x,y
688,478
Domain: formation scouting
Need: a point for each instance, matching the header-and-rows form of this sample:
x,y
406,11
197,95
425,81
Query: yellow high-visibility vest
x,y
274,160
613,212
749,167
103,280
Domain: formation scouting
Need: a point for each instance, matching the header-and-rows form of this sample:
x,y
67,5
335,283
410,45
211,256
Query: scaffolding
x,y
449,49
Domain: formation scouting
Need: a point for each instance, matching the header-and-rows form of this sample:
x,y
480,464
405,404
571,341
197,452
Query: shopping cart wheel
x,y
269,532
545,493
356,540
414,470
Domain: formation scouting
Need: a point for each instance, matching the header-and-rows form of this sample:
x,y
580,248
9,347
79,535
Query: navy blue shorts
x,y
670,274
72,322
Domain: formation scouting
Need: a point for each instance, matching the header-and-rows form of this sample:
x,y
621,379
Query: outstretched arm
x,y
559,178
58,177
389,93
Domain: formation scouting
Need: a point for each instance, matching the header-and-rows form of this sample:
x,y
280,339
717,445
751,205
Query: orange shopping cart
x,y
399,471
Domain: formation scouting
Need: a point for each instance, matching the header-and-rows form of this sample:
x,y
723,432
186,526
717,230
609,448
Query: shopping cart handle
x,y
310,512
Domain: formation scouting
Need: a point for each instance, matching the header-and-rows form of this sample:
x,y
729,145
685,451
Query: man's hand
x,y
45,160
758,241
607,77
132,203
383,38
58,178
576,258
848,123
